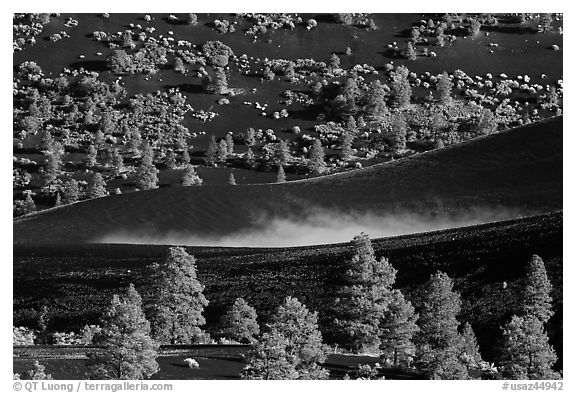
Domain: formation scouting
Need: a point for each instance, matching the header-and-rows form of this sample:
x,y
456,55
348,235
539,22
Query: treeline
x,y
369,316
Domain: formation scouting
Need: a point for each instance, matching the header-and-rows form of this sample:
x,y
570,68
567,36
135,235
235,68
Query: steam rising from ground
x,y
319,226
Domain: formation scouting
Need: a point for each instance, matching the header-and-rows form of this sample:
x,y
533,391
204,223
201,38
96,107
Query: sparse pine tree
x,y
474,27
469,352
397,328
179,65
99,139
346,152
128,352
232,179
178,301
334,62
185,156
91,157
229,143
399,129
351,125
269,360
526,353
58,200
250,157
147,154
117,162
537,293
222,153
240,322
281,177
96,187
190,177
375,100
401,89
37,373
46,141
192,19
53,164
487,123
365,296
28,206
316,162
212,151
444,88
282,153
170,159
438,340
300,327
410,52
250,137
70,191
146,177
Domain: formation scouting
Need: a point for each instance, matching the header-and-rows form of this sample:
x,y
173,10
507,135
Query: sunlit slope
x,y
519,170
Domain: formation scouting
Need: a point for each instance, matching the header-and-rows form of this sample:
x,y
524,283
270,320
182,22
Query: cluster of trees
x,y
368,315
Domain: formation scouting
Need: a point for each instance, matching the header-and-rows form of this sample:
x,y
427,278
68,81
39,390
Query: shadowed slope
x,y
518,171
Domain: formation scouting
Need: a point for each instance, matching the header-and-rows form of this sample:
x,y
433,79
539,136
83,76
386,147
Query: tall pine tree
x,y
128,352
438,341
177,304
526,353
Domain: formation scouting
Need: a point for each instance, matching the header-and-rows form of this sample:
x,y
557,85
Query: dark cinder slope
x,y
520,169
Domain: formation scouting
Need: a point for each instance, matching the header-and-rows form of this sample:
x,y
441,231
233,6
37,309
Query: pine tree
x,y
170,159
250,137
117,162
397,328
365,296
469,353
190,177
351,125
212,151
229,144
281,177
375,100
91,157
232,179
487,123
185,156
70,191
401,89
316,162
399,129
438,340
537,294
128,352
146,177
222,152
268,359
301,349
96,187
240,322
37,374
444,88
147,154
346,152
526,352
28,206
178,301
334,62
58,200
46,141
282,153
53,164
99,139
410,53
250,158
